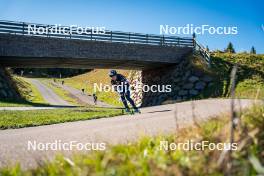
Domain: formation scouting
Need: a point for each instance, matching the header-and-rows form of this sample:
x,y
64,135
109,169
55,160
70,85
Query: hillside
x,y
86,81
250,75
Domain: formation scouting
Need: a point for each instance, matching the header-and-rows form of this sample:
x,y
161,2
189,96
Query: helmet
x,y
112,73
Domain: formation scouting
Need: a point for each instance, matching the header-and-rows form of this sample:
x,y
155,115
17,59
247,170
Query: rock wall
x,y
7,87
186,82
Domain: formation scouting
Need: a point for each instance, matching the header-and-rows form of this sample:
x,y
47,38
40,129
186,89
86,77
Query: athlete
x,y
121,85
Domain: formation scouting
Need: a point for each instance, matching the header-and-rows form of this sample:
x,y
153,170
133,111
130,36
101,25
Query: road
x,y
152,121
48,94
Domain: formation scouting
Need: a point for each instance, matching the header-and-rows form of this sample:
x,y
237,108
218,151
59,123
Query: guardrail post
x,y
129,37
23,28
146,38
194,40
48,31
111,36
91,35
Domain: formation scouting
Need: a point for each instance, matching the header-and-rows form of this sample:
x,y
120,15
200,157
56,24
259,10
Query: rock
x,y
184,98
177,80
175,88
193,92
3,93
207,78
193,79
198,73
186,75
183,92
210,84
188,86
200,85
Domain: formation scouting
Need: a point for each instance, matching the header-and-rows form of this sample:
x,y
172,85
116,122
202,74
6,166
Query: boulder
x,y
188,86
193,79
207,78
200,85
193,92
182,92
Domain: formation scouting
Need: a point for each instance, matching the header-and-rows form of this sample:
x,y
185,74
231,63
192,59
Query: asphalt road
x,y
165,119
48,94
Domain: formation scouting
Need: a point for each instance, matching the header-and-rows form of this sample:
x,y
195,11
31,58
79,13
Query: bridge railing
x,y
202,51
22,28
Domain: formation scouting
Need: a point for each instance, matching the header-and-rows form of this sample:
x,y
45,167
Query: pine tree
x,y
194,35
207,48
253,50
230,48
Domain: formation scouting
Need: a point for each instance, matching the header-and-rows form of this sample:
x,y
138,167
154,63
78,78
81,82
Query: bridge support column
x,y
185,80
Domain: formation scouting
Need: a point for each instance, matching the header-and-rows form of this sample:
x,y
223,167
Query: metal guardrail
x,y
202,51
22,28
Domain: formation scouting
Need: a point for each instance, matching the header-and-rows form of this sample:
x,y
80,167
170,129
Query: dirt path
x,y
121,129
49,96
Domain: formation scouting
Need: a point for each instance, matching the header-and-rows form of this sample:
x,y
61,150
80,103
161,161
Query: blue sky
x,y
146,16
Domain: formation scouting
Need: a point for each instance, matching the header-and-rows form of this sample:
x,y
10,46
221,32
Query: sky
x,y
146,16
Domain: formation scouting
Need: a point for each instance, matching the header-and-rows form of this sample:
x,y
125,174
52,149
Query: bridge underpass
x,y
162,59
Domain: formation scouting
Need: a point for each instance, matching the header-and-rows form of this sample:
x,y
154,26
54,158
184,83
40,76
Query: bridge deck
x,y
18,48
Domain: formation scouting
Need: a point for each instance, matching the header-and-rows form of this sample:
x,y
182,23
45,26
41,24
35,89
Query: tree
x,y
207,48
194,35
253,50
230,48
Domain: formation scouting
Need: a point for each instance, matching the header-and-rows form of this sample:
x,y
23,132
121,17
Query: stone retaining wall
x,y
186,82
7,88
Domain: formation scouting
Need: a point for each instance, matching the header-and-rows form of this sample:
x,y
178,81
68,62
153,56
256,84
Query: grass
x,y
146,158
86,81
20,119
250,75
29,93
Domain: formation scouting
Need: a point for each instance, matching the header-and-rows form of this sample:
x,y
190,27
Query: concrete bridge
x,y
21,47
163,60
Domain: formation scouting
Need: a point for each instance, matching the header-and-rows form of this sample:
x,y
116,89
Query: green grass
x,y
20,119
86,81
34,95
250,75
144,157
29,93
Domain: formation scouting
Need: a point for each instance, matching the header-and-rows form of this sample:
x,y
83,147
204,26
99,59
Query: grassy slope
x,y
31,96
19,119
145,157
98,76
250,76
